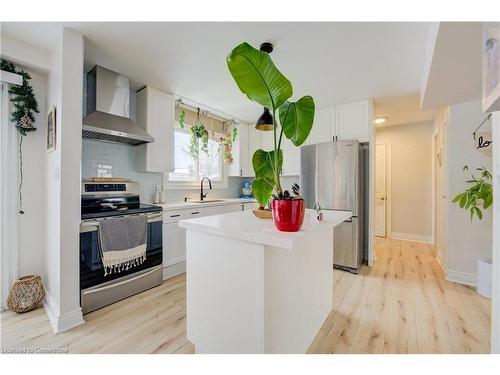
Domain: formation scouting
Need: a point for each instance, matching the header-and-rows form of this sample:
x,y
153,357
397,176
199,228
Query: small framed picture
x,y
51,130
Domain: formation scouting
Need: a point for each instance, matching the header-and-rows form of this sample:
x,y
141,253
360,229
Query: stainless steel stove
x,y
100,201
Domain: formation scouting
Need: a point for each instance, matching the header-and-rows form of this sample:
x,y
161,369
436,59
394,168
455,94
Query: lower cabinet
x,y
249,206
174,237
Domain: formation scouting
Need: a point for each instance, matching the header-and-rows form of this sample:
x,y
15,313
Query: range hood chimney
x,y
108,114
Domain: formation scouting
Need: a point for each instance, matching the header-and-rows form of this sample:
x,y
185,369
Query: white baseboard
x,y
438,258
411,237
63,322
174,270
461,277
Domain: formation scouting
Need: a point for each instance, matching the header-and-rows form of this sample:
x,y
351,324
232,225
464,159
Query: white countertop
x,y
247,227
179,205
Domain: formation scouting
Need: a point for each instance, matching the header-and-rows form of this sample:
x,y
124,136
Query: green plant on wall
x,y
258,78
479,194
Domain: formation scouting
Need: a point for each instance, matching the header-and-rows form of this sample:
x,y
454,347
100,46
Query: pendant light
x,y
265,121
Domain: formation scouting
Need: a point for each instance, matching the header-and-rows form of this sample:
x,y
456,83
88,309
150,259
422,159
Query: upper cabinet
x,y
251,140
241,165
353,121
245,162
155,113
322,128
266,140
350,121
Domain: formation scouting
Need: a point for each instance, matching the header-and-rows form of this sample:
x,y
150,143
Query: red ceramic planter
x,y
288,215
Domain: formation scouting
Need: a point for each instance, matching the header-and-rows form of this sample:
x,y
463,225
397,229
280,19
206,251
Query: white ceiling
x,y
333,62
402,109
456,65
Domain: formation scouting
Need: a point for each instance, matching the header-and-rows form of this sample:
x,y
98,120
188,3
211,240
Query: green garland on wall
x,y
23,99
23,115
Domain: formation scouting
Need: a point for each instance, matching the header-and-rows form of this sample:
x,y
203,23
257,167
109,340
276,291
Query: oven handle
x,y
111,286
85,226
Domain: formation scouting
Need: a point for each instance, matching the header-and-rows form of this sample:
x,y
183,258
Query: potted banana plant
x,y
258,78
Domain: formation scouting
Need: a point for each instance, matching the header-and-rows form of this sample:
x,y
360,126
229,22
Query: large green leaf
x,y
257,76
263,164
265,181
262,190
297,119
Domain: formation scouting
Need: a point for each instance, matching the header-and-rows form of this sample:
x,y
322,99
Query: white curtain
x,y
9,179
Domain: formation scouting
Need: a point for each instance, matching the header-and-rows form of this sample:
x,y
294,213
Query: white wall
x,y
495,301
31,235
25,54
65,85
411,179
467,241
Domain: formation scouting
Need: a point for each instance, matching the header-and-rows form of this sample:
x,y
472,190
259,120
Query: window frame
x,y
195,184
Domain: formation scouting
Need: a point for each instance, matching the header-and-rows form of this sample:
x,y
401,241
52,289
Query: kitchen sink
x,y
209,201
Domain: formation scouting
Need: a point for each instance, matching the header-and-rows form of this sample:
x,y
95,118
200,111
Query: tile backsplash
x,y
100,159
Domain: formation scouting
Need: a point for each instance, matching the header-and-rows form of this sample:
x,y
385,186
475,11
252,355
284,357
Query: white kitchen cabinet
x,y
322,127
174,237
249,206
253,145
241,165
245,158
155,113
353,121
174,241
267,140
350,121
291,158
174,244
235,207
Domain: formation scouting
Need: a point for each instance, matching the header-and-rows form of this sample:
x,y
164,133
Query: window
x,y
189,170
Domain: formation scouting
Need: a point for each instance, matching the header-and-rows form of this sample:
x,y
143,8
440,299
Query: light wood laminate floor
x,y
401,305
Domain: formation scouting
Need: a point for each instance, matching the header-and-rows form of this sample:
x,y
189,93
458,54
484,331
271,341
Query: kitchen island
x,y
252,289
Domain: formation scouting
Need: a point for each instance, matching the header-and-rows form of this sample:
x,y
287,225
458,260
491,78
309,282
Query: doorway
x,y
435,193
382,209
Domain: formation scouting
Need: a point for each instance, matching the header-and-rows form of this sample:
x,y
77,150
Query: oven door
x,y
91,267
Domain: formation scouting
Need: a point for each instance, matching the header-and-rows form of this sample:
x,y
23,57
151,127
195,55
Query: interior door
x,y
381,190
435,149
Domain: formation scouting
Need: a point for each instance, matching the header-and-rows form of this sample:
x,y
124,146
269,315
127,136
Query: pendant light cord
x,y
21,212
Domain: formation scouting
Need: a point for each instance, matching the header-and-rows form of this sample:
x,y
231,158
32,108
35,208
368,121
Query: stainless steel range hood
x,y
108,113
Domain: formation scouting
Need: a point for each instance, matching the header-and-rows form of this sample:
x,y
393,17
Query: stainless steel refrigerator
x,y
333,174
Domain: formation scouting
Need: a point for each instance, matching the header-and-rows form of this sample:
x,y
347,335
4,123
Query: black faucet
x,y
201,187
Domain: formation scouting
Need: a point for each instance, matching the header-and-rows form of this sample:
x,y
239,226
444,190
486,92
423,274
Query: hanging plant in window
x,y
226,142
182,119
23,115
198,132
